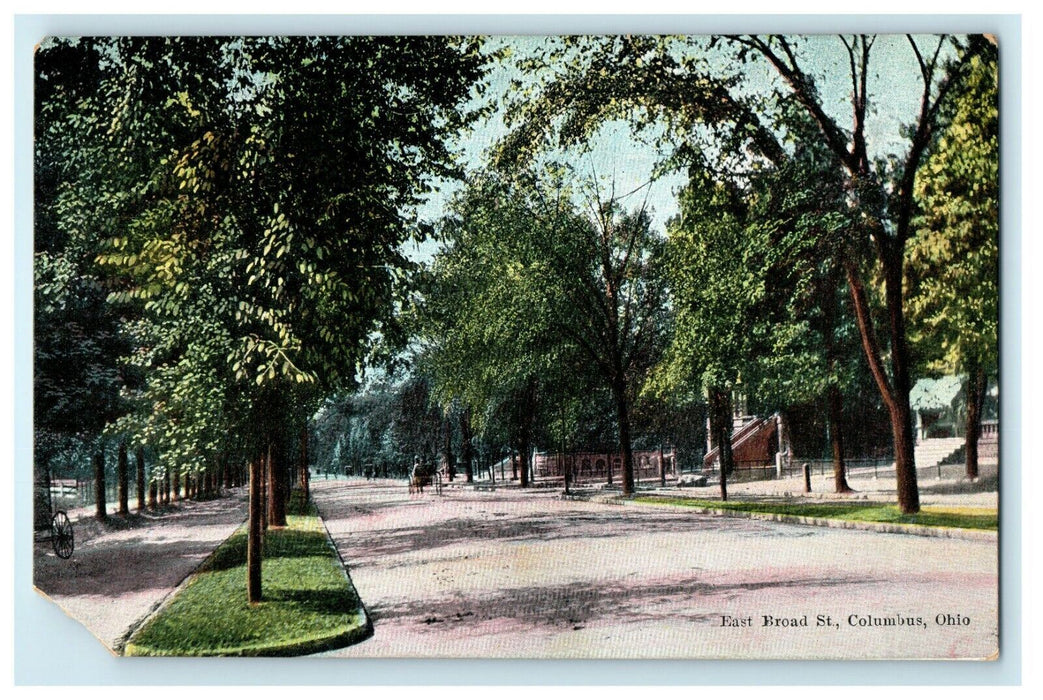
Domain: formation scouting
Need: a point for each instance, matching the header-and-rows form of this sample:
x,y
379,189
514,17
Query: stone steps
x,y
934,451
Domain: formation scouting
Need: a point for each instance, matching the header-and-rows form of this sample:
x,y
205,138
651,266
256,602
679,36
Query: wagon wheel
x,y
61,534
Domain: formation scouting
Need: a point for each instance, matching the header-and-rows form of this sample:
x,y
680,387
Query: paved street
x,y
528,575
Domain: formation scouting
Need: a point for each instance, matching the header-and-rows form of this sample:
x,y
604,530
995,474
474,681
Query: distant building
x,y
756,441
595,466
940,407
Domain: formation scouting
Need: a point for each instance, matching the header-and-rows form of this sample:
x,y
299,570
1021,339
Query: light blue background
x,y
50,648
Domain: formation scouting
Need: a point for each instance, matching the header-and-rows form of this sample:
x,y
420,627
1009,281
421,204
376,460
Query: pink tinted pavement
x,y
524,574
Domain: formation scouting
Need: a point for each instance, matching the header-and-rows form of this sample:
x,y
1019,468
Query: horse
x,y
425,475
419,477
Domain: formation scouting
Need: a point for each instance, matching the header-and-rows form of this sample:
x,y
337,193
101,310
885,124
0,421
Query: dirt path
x,y
527,575
119,571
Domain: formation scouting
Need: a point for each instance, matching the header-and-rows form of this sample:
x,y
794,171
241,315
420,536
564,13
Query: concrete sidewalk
x,y
122,570
951,490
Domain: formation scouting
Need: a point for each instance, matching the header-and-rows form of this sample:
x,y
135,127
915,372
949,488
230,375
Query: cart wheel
x,y
61,534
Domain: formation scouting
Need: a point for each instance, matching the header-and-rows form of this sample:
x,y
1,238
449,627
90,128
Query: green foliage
x,y
805,330
714,292
953,273
536,302
309,604
388,422
485,311
666,86
243,201
76,381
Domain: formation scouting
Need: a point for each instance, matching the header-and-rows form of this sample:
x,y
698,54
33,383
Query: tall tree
x,y
139,463
255,195
618,291
953,271
77,377
486,321
714,291
805,356
706,106
576,283
884,195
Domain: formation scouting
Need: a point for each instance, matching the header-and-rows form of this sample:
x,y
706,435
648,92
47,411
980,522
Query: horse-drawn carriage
x,y
424,475
51,525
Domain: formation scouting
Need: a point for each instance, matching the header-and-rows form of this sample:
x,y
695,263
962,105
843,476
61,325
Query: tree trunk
x,y
123,479
99,486
266,464
166,486
836,439
254,543
905,460
305,475
286,480
276,497
153,494
721,421
525,438
908,491
447,447
896,395
523,458
662,467
466,448
623,424
835,412
175,485
139,459
976,387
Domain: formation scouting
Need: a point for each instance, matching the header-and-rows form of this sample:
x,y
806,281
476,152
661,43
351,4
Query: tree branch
x,y
803,89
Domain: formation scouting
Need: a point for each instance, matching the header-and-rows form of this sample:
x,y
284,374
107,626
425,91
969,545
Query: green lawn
x,y
969,518
308,606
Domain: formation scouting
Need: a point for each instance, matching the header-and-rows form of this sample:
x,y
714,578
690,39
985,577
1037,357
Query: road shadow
x,y
984,484
128,554
578,604
367,546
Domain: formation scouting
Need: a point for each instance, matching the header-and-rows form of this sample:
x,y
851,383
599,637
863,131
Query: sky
x,y
617,157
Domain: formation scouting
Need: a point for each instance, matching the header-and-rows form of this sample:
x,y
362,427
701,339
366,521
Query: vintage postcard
x,y
527,347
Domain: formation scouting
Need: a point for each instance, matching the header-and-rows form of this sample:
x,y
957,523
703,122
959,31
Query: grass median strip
x,y
308,605
929,516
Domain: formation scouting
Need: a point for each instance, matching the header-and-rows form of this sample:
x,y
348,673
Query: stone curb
x,y
891,528
365,630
